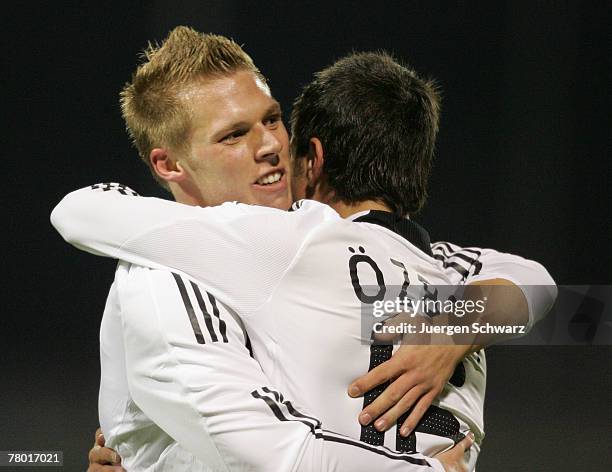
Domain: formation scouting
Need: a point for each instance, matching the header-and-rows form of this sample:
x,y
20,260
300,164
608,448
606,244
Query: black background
x,y
522,166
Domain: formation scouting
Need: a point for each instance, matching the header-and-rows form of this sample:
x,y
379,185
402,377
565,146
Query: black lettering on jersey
x,y
406,284
430,295
458,377
379,353
380,280
436,421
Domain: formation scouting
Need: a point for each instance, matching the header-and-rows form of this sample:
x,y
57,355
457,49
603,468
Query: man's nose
x,y
271,159
270,147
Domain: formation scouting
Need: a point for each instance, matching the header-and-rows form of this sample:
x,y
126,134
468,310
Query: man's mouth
x,y
270,178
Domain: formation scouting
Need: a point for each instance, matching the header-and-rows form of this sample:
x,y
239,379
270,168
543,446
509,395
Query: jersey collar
x,y
406,228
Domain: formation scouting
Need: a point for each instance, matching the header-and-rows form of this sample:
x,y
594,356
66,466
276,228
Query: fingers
x,y
397,320
452,460
103,456
393,403
466,442
103,459
93,454
100,440
105,468
367,382
417,413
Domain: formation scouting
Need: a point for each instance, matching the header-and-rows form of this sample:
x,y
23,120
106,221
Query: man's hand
x,y
103,459
453,459
419,373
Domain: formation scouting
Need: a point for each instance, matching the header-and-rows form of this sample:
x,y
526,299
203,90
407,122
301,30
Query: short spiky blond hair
x,y
154,114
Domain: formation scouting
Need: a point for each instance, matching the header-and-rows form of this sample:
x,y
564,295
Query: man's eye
x,y
272,120
233,136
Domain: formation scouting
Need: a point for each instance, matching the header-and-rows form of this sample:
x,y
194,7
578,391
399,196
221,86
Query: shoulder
x,y
312,207
301,212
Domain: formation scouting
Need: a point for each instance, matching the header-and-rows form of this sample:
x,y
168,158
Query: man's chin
x,y
281,202
277,195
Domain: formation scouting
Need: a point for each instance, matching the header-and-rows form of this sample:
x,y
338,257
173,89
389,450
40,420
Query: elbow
x,y
60,221
70,222
542,293
542,276
546,284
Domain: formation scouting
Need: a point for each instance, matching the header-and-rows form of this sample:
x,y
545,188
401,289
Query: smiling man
x,y
220,126
220,247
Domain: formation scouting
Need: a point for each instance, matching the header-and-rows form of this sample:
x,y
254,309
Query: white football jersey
x,y
158,383
299,281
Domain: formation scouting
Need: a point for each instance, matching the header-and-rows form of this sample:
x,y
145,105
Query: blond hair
x,y
154,113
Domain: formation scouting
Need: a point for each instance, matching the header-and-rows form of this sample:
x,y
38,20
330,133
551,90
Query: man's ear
x,y
165,166
314,161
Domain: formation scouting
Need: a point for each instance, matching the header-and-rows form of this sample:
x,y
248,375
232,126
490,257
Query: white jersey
x,y
141,443
180,391
303,307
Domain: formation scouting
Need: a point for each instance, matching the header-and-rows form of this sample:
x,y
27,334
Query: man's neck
x,y
322,193
183,197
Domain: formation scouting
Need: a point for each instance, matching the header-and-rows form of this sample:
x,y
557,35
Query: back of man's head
x,y
377,122
151,104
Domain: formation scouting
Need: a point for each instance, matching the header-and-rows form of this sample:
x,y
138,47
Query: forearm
x,y
519,292
505,305
100,219
538,290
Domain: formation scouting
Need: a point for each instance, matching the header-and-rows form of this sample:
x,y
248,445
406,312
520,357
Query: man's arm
x,y
472,266
191,373
520,292
214,245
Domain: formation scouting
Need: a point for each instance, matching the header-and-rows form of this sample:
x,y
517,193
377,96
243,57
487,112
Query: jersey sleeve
x,y
219,246
190,371
469,265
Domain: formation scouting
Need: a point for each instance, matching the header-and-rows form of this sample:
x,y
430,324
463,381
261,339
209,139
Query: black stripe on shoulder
x,y
296,205
453,265
222,326
248,344
461,249
459,254
207,318
189,308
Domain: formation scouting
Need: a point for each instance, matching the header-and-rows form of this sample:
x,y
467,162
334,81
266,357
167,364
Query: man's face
x,y
239,147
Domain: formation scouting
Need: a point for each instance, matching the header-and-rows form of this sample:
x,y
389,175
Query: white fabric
x,y
201,394
287,275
